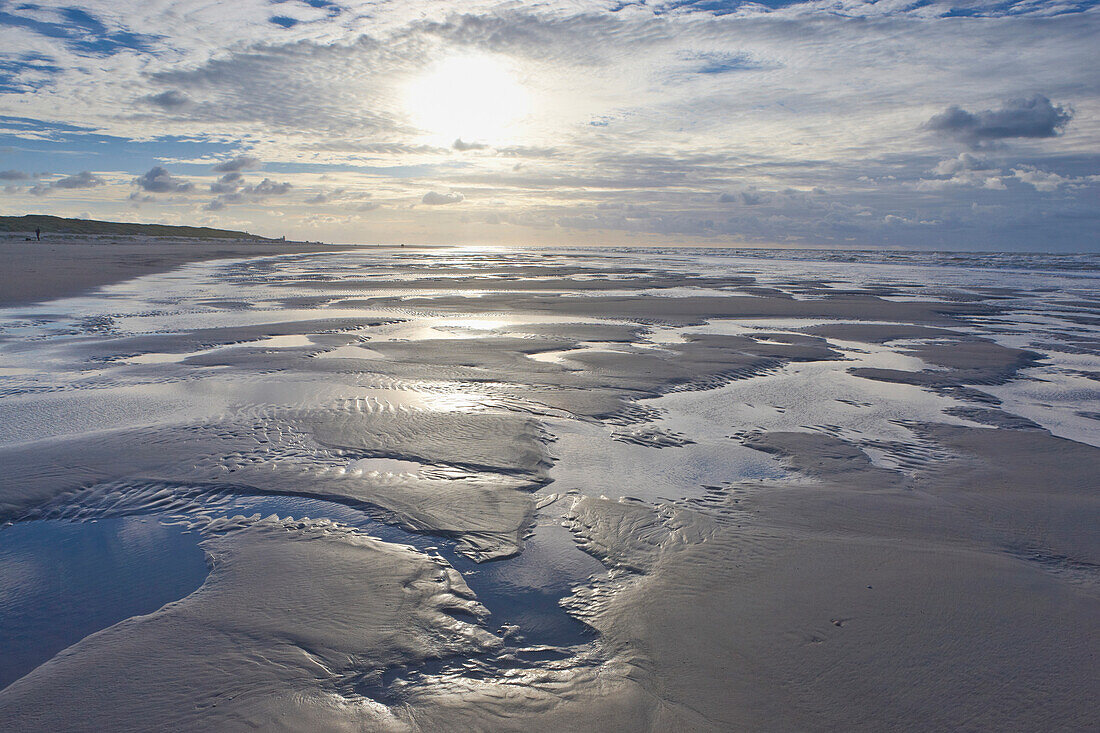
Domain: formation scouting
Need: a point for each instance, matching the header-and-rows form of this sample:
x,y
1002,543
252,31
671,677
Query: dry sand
x,y
67,265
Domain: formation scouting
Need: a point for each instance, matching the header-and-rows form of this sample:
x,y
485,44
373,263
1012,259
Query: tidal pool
x,y
61,581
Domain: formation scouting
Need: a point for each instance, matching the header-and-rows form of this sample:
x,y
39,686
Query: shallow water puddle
x,y
61,581
521,592
287,341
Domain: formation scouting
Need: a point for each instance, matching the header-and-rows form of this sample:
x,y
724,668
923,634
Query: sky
x,y
936,124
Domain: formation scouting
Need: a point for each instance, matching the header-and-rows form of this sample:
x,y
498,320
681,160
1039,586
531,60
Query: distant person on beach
x,y
38,233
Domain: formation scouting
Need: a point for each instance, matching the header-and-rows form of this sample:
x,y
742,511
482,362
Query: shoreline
x,y
67,266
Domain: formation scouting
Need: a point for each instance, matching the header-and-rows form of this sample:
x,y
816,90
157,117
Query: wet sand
x,y
592,492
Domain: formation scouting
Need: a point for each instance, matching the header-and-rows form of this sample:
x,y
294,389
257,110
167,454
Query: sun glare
x,y
473,98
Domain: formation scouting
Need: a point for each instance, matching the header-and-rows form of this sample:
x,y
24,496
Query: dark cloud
x,y
1035,117
267,187
437,199
748,198
83,179
171,99
232,189
525,151
228,183
460,145
621,211
158,180
240,163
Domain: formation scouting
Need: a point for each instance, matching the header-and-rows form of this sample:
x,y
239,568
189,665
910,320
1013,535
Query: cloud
x,y
527,151
437,199
337,194
964,170
1048,181
748,198
228,183
717,62
232,189
1038,179
74,29
964,162
84,179
460,145
1034,117
240,163
158,180
267,187
171,99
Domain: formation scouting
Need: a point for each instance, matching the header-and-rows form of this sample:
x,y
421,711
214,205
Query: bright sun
x,y
475,98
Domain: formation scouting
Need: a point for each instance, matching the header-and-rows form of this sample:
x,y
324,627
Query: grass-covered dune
x,y
59,225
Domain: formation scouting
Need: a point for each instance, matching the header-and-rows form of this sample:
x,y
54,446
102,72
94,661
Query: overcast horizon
x,y
929,125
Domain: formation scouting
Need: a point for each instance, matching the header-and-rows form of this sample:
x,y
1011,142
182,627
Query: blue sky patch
x,y
82,32
72,149
719,63
25,73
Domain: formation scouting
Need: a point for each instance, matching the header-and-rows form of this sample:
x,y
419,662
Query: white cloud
x,y
1047,181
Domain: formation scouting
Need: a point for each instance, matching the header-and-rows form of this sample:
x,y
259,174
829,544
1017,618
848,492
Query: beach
x,y
63,265
618,489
